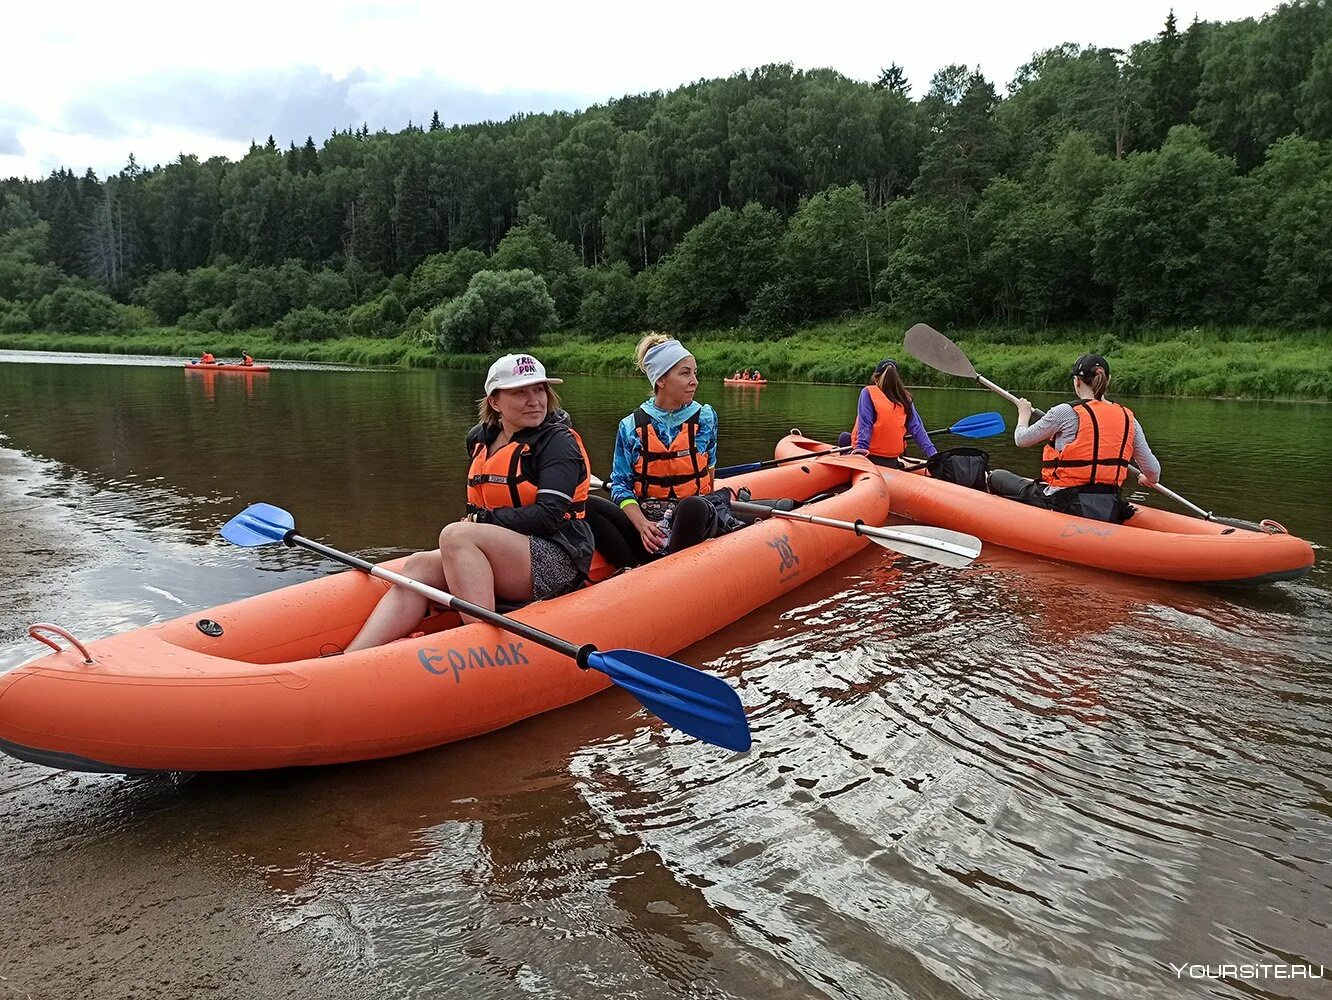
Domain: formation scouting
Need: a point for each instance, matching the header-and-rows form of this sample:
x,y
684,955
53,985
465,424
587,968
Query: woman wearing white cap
x,y
665,453
525,536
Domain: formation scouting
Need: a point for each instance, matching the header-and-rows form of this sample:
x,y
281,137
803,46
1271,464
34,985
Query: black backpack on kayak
x,y
964,466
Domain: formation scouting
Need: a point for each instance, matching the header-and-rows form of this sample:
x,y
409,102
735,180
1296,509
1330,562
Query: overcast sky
x,y
87,83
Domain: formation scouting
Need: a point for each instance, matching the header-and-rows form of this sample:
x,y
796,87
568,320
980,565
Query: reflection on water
x,y
1020,780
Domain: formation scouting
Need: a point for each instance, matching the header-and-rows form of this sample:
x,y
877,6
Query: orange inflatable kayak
x,y
195,366
745,381
248,685
1154,543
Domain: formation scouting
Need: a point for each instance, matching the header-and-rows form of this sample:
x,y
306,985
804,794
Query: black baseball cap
x,y
1085,367
883,366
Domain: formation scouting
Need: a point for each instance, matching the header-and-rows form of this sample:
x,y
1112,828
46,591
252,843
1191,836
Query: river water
x,y
1019,780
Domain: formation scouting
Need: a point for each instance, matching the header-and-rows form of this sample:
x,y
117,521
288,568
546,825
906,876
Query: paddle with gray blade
x,y
928,345
692,701
938,545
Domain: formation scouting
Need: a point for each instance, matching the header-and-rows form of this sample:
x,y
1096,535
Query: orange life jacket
x,y
504,478
247,360
1100,453
207,359
888,436
669,471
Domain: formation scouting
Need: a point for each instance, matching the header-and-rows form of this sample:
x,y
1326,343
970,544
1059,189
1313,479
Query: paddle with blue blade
x,y
697,703
978,425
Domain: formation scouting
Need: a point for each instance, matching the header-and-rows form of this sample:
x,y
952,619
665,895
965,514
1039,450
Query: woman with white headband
x,y
665,453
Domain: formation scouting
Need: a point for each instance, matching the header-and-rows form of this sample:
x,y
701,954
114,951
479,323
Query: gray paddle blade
x,y
938,545
925,343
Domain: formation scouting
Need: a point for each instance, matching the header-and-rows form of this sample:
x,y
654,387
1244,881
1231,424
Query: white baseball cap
x,y
515,370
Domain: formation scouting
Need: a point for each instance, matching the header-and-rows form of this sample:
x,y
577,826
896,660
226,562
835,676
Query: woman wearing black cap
x,y
1089,444
885,415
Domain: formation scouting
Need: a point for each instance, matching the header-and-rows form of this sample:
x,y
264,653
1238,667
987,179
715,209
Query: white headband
x,y
662,358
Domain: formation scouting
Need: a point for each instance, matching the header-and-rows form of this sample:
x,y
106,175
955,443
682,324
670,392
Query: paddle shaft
x,y
735,470
578,653
859,527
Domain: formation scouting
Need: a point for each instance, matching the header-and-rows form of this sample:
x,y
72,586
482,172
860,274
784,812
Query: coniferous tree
x,y
893,79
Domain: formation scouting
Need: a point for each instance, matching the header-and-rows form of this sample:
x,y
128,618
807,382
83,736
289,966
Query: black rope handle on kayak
x,y
37,628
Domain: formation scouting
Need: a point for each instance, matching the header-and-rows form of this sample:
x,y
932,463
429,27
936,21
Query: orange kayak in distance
x,y
195,366
745,381
250,684
1157,544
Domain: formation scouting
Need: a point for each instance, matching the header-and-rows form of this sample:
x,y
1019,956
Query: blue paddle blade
x,y
697,703
979,425
258,524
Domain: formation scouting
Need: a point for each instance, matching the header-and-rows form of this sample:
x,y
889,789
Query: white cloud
x,y
211,76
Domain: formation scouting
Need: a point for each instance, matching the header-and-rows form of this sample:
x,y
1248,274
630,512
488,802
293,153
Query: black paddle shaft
x,y
577,653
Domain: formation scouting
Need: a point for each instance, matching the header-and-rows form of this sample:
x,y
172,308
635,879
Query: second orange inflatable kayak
x,y
251,685
195,366
1154,543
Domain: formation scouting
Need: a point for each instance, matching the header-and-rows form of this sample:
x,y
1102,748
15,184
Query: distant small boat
x,y
745,381
196,366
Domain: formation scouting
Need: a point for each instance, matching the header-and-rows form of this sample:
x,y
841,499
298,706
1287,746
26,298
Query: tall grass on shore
x,y
1237,361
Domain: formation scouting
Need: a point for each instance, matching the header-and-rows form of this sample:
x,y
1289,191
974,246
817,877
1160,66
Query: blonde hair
x,y
488,416
650,341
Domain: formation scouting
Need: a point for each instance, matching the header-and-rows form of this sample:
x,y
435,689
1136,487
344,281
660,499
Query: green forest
x,y
1182,185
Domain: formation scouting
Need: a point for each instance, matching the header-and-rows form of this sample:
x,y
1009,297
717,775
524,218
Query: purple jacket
x,y
866,413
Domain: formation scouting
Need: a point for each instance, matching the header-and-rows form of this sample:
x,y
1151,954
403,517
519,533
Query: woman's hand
x,y
1024,412
1147,480
652,537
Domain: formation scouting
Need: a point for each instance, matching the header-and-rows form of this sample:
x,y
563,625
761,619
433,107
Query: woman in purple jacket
x,y
885,415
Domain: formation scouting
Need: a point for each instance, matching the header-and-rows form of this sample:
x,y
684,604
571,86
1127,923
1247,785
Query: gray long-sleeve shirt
x,y
1060,426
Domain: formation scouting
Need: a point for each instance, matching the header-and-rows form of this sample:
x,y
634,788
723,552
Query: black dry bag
x,y
964,466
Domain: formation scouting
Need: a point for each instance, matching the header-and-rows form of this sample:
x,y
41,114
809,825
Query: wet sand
x,y
100,899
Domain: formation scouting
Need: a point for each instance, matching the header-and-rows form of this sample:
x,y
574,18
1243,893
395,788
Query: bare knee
x,y
422,566
457,536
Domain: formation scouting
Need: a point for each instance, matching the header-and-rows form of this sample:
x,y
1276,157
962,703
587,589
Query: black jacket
x,y
555,464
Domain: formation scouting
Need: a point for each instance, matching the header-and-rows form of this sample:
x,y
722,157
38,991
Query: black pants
x,y
1094,503
1008,484
694,520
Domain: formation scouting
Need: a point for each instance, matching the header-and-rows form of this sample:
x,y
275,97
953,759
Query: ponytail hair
x,y
890,381
1100,381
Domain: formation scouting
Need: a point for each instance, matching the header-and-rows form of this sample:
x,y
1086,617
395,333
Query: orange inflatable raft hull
x,y
168,697
1157,544
197,367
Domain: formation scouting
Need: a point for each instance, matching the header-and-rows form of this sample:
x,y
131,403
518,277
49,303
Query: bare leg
x,y
486,561
400,610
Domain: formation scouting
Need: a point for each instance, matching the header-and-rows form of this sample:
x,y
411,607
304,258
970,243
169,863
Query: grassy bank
x,y
1242,362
